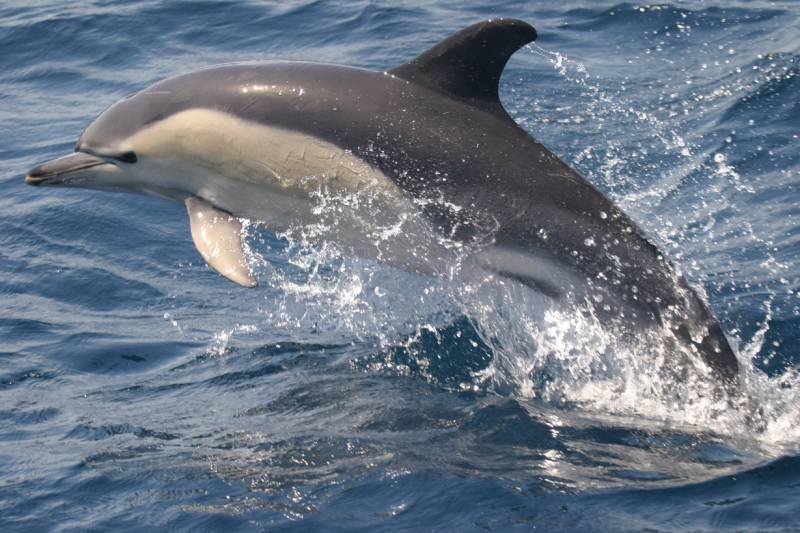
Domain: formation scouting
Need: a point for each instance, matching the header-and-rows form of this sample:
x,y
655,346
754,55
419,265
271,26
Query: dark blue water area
x,y
139,389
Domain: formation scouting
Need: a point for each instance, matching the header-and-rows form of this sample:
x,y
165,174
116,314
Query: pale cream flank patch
x,y
294,163
289,180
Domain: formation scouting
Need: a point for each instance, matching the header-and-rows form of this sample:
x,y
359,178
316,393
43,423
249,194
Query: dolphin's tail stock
x,y
697,327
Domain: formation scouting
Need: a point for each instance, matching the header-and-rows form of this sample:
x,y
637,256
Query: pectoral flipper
x,y
218,237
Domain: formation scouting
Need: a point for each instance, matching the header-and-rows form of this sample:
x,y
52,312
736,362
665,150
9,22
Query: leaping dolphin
x,y
431,146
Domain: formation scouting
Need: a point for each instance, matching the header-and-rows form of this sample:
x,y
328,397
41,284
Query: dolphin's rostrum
x,y
429,136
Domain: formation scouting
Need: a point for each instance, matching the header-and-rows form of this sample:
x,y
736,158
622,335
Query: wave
x,y
771,91
663,18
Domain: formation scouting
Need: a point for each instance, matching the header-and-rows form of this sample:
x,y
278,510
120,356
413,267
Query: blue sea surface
x,y
139,389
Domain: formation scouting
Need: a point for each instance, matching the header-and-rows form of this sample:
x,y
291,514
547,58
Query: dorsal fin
x,y
469,63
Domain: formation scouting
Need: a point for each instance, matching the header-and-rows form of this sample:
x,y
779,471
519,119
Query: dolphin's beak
x,y
56,171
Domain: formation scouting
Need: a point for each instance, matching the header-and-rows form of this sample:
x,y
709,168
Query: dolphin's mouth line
x,y
39,180
54,172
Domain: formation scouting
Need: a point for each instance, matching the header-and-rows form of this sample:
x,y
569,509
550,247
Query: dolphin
x,y
432,158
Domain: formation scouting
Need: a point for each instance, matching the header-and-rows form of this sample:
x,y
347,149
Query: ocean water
x,y
140,389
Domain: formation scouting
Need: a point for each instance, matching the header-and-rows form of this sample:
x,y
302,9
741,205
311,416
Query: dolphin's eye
x,y
126,157
123,157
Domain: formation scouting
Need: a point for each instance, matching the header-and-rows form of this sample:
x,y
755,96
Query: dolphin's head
x,y
114,152
176,137
94,166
